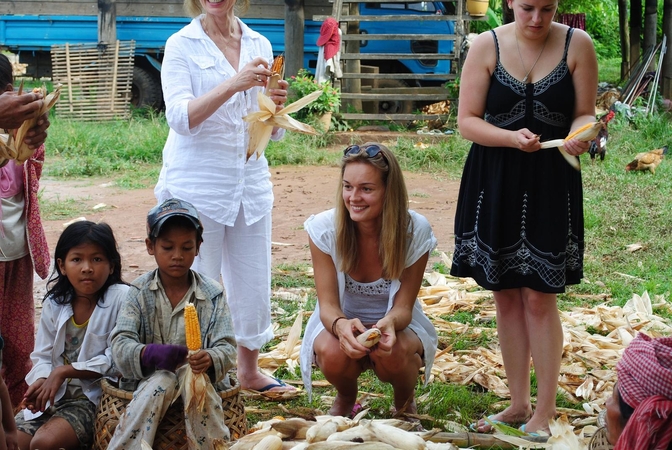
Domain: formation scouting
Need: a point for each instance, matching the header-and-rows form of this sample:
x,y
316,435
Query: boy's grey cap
x,y
172,207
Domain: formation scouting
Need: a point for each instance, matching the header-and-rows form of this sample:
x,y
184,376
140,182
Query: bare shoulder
x,y
482,51
580,38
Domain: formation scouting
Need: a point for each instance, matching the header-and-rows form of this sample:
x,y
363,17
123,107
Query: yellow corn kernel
x,y
586,133
191,327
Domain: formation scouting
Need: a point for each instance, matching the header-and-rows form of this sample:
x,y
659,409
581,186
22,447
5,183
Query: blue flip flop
x,y
278,383
530,433
474,426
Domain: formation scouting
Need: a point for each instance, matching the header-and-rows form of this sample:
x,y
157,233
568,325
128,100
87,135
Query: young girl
x,y
23,249
72,350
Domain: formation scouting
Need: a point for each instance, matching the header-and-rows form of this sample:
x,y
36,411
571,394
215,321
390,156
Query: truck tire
x,y
146,89
394,106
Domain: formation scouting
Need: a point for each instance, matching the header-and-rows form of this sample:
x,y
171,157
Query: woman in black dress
x,y
519,219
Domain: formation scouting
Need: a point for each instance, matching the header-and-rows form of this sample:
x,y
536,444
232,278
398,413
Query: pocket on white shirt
x,y
203,61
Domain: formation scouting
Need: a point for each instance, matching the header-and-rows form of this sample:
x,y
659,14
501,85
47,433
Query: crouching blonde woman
x,y
369,256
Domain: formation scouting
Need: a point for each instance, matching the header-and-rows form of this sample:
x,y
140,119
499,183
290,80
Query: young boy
x,y
149,342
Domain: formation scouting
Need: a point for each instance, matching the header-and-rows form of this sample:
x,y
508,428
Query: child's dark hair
x,y
6,76
181,222
78,233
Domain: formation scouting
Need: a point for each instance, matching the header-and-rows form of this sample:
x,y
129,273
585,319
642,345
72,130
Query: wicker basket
x,y
171,434
599,441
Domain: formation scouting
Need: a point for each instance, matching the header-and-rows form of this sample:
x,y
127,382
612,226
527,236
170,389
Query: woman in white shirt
x,y
369,256
212,71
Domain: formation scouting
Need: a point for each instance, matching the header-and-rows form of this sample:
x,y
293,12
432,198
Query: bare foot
x,y
507,417
342,406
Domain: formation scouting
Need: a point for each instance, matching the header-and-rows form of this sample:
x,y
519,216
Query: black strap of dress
x,y
568,39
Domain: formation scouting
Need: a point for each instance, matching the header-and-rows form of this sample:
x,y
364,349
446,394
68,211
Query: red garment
x,y
17,306
329,38
37,241
645,369
649,427
17,317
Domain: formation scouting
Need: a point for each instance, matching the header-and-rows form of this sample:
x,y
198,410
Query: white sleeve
x,y
320,228
423,239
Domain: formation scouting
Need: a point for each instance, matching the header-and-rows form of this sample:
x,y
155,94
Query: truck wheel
x,y
146,89
394,106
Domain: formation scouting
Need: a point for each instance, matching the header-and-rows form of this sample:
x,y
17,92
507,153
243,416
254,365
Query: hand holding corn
x,y
263,121
586,133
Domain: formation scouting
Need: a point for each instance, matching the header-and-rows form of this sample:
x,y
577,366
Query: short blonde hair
x,y
394,234
193,7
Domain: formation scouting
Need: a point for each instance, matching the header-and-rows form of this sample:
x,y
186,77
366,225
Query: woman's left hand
x,y
279,96
576,147
388,336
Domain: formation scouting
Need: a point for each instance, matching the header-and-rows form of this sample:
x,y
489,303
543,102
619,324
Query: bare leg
x,y
545,335
341,371
400,367
249,376
515,347
55,434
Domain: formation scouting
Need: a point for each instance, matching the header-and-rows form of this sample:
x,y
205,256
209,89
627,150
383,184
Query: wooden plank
x,y
396,56
398,37
400,18
269,9
447,17
401,76
391,96
364,116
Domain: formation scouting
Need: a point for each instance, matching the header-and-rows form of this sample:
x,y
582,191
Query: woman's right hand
x,y
345,333
253,74
526,141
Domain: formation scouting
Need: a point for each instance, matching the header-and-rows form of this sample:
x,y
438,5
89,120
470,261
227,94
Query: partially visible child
x,y
149,342
23,248
72,351
8,434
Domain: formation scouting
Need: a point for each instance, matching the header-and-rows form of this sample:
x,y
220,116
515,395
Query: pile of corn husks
x,y
589,359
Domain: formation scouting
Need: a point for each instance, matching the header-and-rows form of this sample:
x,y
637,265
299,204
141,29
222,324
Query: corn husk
x,y
262,121
586,133
21,150
193,388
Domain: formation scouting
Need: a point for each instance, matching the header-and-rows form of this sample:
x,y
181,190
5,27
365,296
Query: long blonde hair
x,y
193,7
394,233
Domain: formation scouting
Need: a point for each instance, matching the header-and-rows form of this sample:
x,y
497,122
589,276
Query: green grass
x,y
621,208
56,209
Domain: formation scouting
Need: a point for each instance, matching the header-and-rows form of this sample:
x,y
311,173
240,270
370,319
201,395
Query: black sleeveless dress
x,y
519,219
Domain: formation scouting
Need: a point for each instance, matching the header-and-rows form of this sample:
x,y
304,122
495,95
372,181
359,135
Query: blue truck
x,y
32,35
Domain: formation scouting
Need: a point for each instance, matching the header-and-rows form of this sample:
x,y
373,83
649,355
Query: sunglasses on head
x,y
371,150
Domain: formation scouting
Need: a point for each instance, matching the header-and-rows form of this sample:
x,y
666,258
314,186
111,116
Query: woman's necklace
x,y
536,60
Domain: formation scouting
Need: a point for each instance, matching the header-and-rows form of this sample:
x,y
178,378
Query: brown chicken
x,y
648,160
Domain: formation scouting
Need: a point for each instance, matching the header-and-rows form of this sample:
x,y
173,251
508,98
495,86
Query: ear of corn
x,y
192,328
586,133
277,73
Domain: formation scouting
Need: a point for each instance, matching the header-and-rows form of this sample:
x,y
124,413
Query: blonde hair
x,y
193,7
394,232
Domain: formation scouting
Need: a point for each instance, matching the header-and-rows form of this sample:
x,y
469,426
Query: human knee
x,y
43,442
540,306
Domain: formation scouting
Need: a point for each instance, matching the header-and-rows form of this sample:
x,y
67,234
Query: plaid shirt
x,y
135,325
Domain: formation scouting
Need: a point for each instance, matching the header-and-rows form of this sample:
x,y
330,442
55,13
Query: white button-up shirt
x,y
205,165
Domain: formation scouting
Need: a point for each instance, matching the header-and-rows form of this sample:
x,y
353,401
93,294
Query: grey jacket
x,y
135,328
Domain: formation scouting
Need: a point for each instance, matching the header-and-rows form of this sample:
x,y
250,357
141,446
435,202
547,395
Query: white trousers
x,y
241,254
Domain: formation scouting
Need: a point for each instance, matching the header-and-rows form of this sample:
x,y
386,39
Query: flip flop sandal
x,y
474,426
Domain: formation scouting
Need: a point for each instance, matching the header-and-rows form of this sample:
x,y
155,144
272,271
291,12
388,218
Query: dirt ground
x,y
299,192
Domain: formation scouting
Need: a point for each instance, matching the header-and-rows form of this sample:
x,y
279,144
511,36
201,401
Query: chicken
x,y
648,160
599,145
